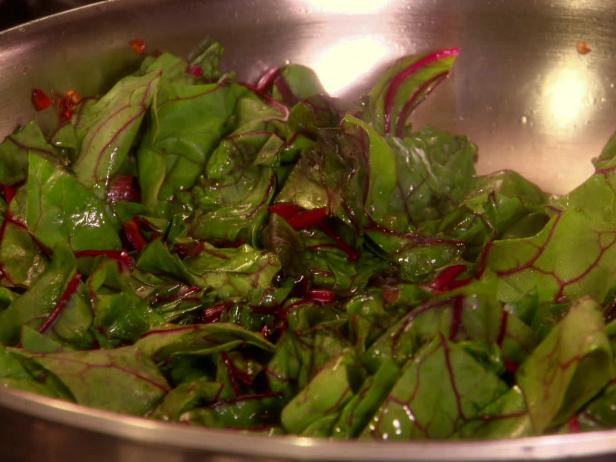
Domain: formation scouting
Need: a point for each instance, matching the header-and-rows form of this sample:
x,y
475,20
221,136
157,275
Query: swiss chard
x,y
34,307
192,248
132,382
440,390
571,365
15,149
60,209
185,126
108,129
404,85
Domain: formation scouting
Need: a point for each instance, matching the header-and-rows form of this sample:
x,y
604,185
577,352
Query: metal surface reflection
x,y
347,61
349,6
566,94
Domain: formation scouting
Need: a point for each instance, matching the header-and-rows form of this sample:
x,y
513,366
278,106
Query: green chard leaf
x,y
326,393
186,397
506,417
572,256
440,390
293,82
109,128
156,258
35,305
160,344
16,371
14,151
311,340
60,209
416,178
365,403
186,124
238,183
503,205
403,86
231,273
21,257
131,382
36,342
570,366
472,315
207,56
122,317
251,412
601,412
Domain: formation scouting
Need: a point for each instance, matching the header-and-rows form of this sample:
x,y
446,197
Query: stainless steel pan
x,y
520,90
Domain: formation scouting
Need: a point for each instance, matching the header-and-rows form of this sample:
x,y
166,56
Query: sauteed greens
x,y
191,248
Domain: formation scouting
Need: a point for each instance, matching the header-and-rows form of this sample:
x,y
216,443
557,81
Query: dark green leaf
x,y
326,394
572,364
15,149
131,382
440,390
60,209
33,307
185,127
109,128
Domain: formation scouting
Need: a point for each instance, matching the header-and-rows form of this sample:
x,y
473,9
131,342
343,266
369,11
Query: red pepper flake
x,y
40,100
582,47
195,70
133,234
67,103
73,96
138,46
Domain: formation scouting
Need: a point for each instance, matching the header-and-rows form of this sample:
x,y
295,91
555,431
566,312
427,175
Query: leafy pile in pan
x,y
191,248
